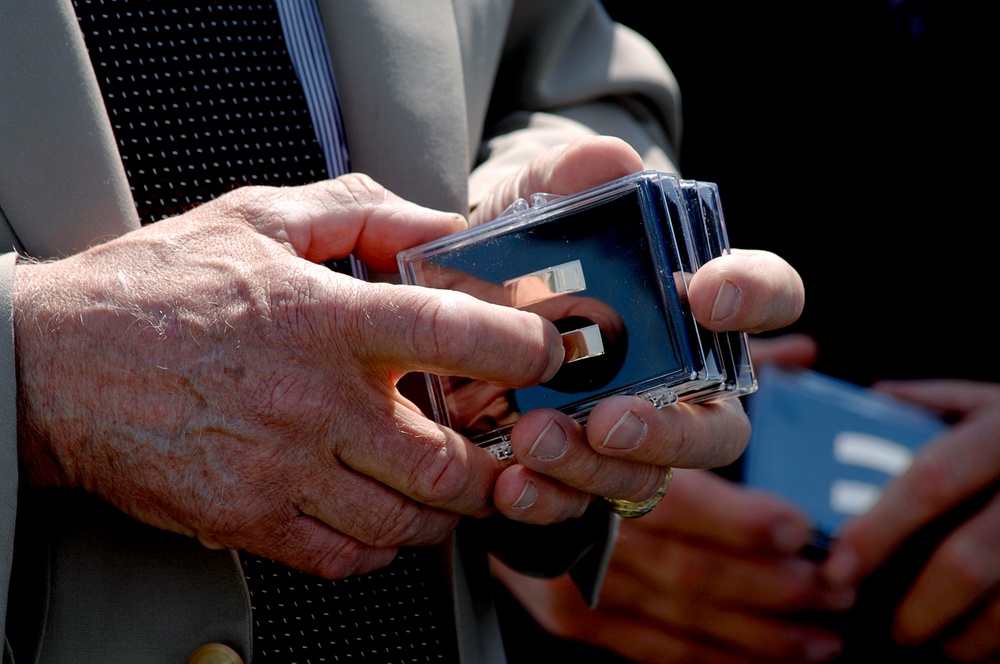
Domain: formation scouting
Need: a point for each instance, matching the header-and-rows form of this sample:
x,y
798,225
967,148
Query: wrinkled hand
x,y
961,580
206,376
627,445
704,577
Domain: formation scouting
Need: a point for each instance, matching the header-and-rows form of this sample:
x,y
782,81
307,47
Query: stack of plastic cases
x,y
615,259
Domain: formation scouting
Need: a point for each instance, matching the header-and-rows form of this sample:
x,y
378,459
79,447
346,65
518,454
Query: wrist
x,y
35,333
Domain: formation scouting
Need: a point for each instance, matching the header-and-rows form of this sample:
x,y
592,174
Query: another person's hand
x,y
704,577
959,587
628,444
707,576
205,375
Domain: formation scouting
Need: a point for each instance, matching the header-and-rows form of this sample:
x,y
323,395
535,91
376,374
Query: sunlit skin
x,y
255,391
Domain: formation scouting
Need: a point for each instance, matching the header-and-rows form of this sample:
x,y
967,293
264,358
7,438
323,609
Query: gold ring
x,y
631,509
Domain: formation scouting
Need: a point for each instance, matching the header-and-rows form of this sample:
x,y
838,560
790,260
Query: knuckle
x,y
931,481
402,523
716,439
352,191
698,574
968,566
443,328
267,210
640,485
571,509
655,476
338,562
362,188
250,203
437,470
439,473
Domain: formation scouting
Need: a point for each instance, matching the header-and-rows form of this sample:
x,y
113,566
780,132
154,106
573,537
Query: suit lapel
x,y
62,184
399,76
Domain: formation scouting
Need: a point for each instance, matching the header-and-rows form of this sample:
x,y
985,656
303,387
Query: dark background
x,y
850,138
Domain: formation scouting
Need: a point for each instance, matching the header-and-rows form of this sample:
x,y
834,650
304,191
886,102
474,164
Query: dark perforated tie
x,y
203,98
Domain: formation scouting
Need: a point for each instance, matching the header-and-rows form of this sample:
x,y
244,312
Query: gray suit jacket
x,y
92,585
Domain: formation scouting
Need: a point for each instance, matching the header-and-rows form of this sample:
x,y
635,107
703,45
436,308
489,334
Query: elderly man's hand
x,y
956,596
205,375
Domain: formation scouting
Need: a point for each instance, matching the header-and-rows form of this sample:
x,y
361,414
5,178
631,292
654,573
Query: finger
x,y
558,607
690,568
952,468
704,506
715,619
796,350
961,573
682,435
529,497
646,643
750,291
947,396
980,639
454,334
333,218
553,444
565,170
425,462
379,516
312,547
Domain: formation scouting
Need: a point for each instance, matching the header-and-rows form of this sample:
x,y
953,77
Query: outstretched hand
x,y
957,593
713,574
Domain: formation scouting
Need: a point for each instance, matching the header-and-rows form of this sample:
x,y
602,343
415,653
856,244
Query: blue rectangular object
x,y
827,445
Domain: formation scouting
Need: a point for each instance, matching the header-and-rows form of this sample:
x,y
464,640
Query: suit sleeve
x,y
8,431
569,71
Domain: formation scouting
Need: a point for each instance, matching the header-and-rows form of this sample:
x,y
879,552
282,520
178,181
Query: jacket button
x,y
214,653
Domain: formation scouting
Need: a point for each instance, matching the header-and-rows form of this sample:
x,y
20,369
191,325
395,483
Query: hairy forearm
x,y
91,341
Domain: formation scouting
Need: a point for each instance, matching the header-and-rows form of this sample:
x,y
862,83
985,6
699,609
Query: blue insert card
x,y
827,445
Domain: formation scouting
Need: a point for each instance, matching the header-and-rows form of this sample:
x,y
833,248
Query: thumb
x,y
748,290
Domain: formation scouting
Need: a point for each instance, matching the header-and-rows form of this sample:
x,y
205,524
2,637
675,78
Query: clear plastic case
x,y
610,267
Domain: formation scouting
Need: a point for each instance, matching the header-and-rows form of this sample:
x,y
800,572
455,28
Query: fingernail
x,y
527,497
822,650
627,433
727,301
550,444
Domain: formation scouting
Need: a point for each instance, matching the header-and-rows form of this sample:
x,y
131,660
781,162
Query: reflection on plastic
x,y
626,325
543,284
582,343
